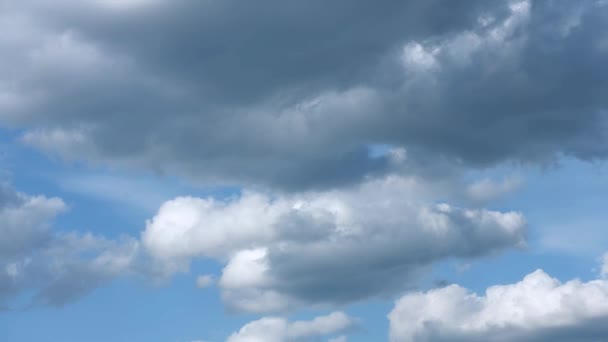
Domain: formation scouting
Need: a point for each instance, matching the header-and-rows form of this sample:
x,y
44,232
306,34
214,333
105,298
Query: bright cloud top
x,y
538,308
275,329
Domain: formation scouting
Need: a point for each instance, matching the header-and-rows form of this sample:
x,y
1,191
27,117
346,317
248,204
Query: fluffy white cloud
x,y
275,329
188,226
538,308
324,247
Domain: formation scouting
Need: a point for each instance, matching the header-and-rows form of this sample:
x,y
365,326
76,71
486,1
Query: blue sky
x,y
348,171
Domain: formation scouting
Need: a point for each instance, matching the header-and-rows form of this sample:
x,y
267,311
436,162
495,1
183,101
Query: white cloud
x,y
538,308
275,329
415,57
246,269
186,226
287,250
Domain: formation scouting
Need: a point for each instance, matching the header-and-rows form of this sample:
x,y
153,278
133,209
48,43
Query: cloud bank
x,y
291,96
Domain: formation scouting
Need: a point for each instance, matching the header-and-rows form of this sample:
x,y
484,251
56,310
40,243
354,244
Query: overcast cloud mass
x,y
290,95
330,157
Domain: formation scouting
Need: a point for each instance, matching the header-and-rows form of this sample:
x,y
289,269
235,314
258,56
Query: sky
x,y
303,171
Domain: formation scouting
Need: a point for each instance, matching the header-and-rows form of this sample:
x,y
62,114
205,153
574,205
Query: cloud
x,y
538,308
291,95
52,268
274,329
279,252
328,247
75,265
25,221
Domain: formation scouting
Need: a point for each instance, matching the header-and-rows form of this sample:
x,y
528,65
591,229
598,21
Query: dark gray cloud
x,y
235,53
291,94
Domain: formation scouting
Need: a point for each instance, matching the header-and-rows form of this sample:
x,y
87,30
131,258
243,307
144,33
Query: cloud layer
x,y
291,95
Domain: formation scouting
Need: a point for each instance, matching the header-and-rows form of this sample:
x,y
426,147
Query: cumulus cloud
x,y
52,268
263,94
538,308
275,329
324,247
